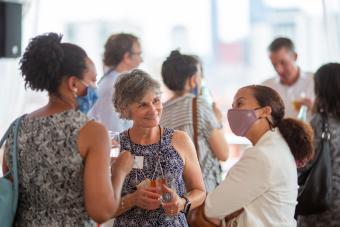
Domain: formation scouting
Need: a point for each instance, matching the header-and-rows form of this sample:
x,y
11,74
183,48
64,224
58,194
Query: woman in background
x,y
182,75
327,84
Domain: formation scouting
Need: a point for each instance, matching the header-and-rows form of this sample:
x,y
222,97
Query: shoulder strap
x,y
325,135
6,134
13,171
195,124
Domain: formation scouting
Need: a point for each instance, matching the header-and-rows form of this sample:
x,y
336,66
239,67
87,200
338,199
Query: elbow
x,y
207,211
209,208
223,157
101,214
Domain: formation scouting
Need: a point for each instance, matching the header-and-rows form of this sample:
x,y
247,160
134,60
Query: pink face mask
x,y
241,120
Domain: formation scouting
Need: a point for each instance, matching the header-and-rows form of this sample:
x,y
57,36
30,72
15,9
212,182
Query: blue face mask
x,y
85,103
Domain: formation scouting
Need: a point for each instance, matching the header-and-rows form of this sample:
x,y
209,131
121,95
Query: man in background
x,y
294,86
122,53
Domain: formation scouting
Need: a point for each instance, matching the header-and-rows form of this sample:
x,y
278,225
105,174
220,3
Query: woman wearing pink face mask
x,y
264,181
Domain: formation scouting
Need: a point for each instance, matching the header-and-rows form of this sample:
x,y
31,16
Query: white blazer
x,y
263,182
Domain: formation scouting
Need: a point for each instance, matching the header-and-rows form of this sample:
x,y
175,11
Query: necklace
x,y
157,154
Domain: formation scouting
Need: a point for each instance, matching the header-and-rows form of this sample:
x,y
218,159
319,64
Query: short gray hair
x,y
131,87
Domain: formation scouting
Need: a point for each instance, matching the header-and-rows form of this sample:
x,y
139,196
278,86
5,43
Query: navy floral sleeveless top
x,y
163,154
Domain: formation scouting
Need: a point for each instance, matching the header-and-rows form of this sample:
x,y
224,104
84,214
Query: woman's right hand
x,y
147,198
123,162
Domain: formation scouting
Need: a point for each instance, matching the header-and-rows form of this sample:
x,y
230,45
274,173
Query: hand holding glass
x,y
297,101
166,187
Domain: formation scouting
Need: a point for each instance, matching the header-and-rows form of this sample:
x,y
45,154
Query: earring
x,y
75,91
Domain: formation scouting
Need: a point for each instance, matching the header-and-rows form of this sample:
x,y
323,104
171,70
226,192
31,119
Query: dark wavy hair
x,y
47,61
116,46
327,89
177,68
298,134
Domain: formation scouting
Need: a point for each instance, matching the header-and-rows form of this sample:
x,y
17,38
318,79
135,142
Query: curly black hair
x,y
47,61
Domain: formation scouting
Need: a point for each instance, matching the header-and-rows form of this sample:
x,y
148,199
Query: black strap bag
x,y
315,182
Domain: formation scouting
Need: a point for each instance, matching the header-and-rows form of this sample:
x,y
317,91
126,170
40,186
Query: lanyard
x,y
158,153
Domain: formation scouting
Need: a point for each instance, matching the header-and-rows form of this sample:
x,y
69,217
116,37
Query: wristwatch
x,y
186,206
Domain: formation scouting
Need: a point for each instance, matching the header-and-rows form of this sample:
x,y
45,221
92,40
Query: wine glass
x,y
170,183
166,196
115,144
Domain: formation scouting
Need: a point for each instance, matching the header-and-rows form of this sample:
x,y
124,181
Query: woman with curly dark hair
x,y
327,102
264,182
63,156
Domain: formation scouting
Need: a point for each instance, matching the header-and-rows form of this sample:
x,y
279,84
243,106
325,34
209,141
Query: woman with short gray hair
x,y
166,164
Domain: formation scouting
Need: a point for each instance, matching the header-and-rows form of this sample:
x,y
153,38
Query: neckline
x,y
159,142
157,153
51,115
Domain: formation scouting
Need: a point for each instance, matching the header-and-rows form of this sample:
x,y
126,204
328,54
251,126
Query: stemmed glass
x,y
166,196
115,144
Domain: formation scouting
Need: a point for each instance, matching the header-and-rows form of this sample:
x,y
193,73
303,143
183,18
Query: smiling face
x,y
147,112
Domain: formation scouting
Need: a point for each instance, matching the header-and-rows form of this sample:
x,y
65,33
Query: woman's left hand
x,y
175,206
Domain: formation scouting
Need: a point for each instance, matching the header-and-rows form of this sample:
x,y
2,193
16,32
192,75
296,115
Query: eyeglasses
x,y
136,53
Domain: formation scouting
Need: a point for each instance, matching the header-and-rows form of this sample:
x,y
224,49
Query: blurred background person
x,y
295,86
327,84
264,181
182,75
122,53
160,154
63,156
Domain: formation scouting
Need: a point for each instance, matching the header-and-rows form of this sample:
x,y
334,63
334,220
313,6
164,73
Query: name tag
x,y
138,162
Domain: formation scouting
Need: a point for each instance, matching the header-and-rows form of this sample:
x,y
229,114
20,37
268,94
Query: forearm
x,y
218,144
196,197
117,180
126,203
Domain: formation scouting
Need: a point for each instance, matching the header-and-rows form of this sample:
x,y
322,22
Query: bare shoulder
x,y
180,137
93,131
183,144
94,126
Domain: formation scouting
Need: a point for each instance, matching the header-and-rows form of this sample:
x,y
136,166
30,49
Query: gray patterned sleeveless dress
x,y
172,165
50,171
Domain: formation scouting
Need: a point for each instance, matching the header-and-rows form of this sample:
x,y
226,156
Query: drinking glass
x,y
170,183
166,196
115,144
297,101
